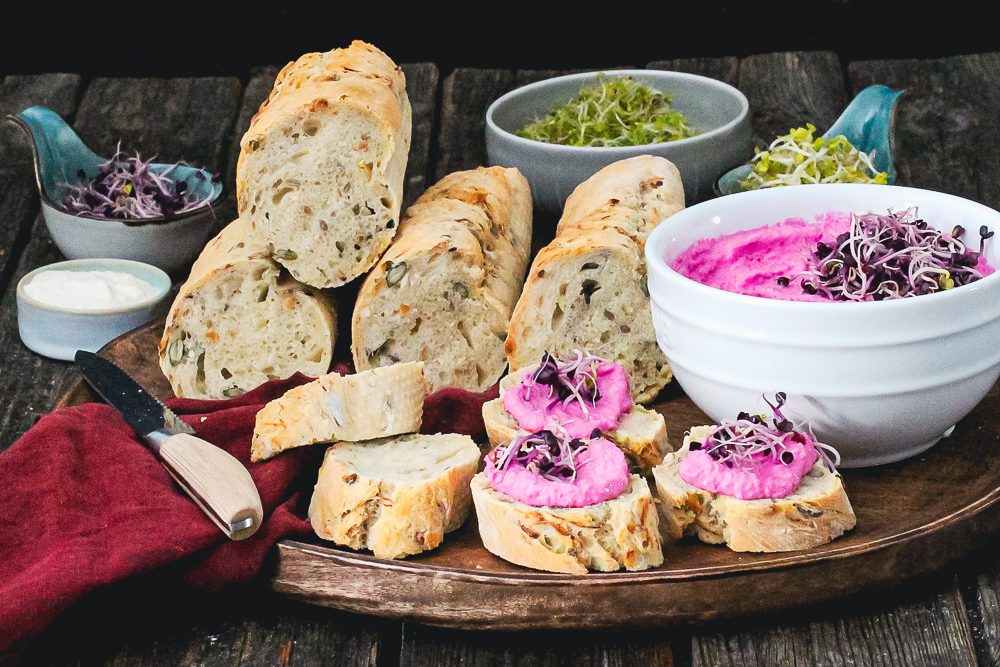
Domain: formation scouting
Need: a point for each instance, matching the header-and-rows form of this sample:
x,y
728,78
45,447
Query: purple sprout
x,y
890,257
569,381
551,455
127,189
749,440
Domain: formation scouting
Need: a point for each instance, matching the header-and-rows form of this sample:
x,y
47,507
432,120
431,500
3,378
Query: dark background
x,y
188,38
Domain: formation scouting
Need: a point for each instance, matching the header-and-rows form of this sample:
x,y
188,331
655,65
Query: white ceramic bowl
x,y
718,110
166,243
59,332
880,381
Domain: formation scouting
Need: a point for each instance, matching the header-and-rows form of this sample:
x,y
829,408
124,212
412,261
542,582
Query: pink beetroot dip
x,y
768,478
601,474
535,407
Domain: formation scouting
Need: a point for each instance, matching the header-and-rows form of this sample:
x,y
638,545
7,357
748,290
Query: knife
x,y
218,483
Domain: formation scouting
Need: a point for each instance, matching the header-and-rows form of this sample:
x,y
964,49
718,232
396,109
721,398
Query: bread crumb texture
x,y
238,322
395,496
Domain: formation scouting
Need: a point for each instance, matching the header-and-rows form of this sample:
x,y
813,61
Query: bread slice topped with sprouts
x,y
753,486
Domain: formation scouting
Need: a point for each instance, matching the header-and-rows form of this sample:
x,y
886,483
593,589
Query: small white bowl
x,y
880,381
59,332
718,110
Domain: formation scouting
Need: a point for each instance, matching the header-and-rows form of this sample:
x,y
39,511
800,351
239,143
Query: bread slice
x,y
605,536
641,434
368,405
320,171
817,512
238,322
444,291
588,292
396,496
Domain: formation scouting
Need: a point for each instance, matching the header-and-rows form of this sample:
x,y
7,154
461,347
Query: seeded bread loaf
x,y
587,289
817,512
364,406
444,291
641,434
396,496
320,171
238,322
605,536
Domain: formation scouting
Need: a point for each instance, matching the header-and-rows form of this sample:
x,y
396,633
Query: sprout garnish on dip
x,y
892,256
749,459
579,395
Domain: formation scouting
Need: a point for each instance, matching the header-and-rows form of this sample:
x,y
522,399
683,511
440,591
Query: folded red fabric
x,y
85,504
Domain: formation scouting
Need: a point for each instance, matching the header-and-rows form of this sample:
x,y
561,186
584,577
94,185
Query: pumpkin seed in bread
x,y
396,496
444,291
238,322
320,171
817,512
364,406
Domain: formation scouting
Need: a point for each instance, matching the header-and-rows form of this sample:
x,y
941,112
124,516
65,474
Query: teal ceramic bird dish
x,y
63,161
866,123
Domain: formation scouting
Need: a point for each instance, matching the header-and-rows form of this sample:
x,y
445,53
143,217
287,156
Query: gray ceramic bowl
x,y
716,109
59,332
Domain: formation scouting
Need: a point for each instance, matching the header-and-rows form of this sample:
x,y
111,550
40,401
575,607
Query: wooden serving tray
x,y
913,517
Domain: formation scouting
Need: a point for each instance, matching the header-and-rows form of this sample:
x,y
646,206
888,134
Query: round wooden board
x,y
913,517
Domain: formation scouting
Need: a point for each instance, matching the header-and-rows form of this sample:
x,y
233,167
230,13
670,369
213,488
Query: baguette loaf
x,y
817,512
237,322
368,405
606,536
641,434
320,171
587,289
395,496
444,291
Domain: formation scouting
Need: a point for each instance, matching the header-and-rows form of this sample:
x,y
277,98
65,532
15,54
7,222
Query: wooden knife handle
x,y
216,481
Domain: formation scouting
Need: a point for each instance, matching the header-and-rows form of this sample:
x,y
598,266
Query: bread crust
x,y
587,289
444,291
817,512
321,168
606,536
237,322
399,508
364,406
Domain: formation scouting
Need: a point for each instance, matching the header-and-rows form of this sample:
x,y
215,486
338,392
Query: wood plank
x,y
422,89
945,126
55,91
466,95
787,90
254,94
525,76
928,630
173,119
984,608
425,646
721,69
249,627
18,207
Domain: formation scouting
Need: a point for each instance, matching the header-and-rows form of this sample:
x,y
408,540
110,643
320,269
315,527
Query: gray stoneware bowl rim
x,y
211,205
641,149
108,264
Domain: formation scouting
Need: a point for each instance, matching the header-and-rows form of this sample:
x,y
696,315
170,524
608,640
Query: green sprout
x,y
618,111
797,158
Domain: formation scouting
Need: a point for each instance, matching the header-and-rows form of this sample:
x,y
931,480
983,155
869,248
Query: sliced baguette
x,y
605,536
238,322
641,434
364,406
444,291
320,171
816,513
396,496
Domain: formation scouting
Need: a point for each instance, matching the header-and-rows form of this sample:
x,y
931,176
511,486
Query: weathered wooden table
x,y
947,138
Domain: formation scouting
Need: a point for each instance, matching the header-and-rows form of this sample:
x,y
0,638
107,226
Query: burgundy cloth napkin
x,y
83,504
